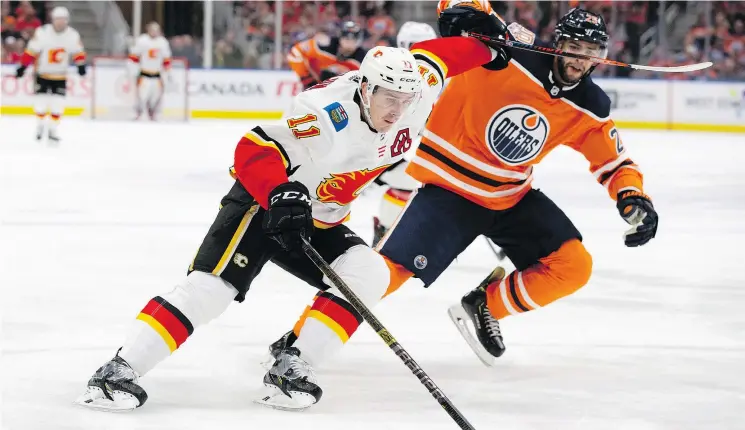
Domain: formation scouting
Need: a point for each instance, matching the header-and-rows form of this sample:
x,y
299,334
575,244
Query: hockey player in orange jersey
x,y
323,57
489,128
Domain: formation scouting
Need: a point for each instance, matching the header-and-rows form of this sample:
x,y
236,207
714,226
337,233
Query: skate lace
x,y
492,324
299,368
116,372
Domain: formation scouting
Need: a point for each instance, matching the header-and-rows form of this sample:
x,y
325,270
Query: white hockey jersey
x,y
52,51
153,55
333,151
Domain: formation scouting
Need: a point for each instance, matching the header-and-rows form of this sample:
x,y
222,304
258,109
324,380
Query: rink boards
x,y
261,94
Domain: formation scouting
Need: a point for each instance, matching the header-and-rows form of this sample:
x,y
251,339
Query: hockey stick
x,y
559,53
384,334
498,252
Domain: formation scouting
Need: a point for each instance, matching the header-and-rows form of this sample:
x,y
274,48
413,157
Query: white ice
x,y
93,229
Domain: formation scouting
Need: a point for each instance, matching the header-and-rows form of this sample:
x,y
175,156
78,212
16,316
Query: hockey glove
x,y
327,74
308,81
20,71
637,210
81,70
457,19
288,217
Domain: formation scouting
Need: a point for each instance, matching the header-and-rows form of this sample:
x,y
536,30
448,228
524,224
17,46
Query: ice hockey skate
x,y
277,347
39,131
291,383
113,388
488,342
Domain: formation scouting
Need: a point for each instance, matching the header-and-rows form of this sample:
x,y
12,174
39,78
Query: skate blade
x,y
274,398
461,319
95,400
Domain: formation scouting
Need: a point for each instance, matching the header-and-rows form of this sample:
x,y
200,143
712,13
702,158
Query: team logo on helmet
x,y
517,133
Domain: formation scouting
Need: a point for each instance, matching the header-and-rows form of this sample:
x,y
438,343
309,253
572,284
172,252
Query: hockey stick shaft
x,y
384,334
559,53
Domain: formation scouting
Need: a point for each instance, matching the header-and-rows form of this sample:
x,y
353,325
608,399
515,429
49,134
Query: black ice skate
x,y
488,342
291,383
114,387
53,138
287,340
39,132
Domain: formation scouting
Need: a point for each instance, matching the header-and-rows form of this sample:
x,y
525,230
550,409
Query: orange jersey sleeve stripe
x,y
134,58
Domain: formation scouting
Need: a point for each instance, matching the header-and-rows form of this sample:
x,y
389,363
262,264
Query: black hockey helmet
x,y
351,30
579,24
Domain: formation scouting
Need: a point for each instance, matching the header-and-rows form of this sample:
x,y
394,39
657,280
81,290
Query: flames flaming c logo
x,y
343,188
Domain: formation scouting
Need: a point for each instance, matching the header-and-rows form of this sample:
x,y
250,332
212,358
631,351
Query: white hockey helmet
x,y
391,68
412,32
60,12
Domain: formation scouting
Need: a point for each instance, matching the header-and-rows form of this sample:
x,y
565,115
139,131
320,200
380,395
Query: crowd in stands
x,y
17,27
251,44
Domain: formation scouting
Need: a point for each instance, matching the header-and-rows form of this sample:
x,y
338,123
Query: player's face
x,y
348,44
59,24
387,107
574,68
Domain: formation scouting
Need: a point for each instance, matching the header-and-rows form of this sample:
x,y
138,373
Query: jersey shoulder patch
x,y
338,115
521,34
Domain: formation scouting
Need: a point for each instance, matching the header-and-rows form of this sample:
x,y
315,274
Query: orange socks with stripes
x,y
558,275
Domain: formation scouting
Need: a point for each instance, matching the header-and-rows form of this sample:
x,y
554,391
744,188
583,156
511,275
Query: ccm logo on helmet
x,y
516,133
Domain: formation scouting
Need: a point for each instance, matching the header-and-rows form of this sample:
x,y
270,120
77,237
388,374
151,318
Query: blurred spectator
x,y
26,20
226,55
723,42
16,48
184,46
8,21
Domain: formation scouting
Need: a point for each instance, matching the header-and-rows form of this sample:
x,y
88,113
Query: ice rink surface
x,y
90,231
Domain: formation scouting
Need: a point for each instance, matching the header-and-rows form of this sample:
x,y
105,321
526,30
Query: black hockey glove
x,y
327,74
457,19
20,71
637,209
81,70
308,81
288,217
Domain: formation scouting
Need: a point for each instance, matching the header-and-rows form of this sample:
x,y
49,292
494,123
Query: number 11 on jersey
x,y
312,131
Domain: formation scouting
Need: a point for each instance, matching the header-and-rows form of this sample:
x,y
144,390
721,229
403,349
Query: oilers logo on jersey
x,y
516,133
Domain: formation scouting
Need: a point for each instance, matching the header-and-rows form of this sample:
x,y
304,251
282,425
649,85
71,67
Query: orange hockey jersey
x,y
311,57
489,127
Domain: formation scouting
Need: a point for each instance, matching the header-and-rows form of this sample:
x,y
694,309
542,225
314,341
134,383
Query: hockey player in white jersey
x,y
50,50
150,61
400,184
296,178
